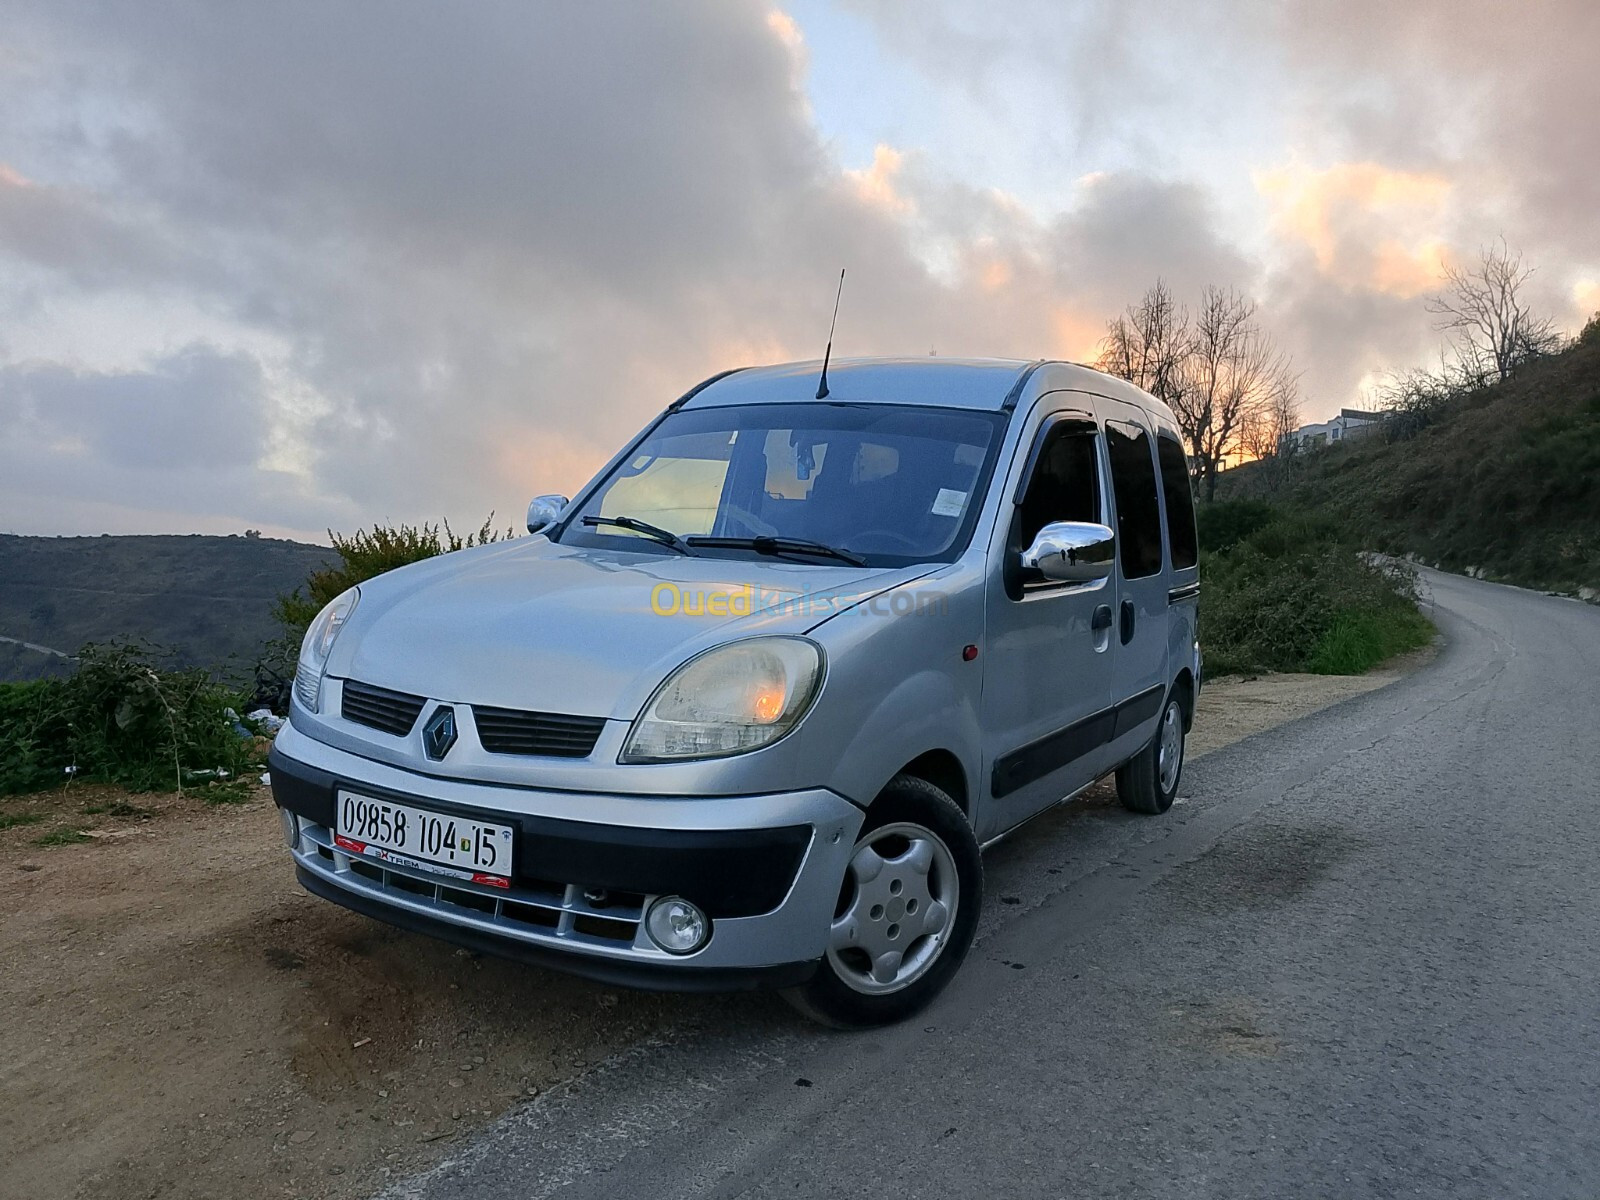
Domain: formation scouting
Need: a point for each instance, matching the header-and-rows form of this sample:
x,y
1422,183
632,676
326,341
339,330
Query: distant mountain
x,y
208,599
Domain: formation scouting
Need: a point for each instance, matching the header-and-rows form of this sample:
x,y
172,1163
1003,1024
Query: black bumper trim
x,y
646,976
727,872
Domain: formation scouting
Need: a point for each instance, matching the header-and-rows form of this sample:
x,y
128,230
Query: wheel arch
x,y
1183,688
943,769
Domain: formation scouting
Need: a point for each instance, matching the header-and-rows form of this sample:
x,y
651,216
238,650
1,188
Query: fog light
x,y
677,926
291,828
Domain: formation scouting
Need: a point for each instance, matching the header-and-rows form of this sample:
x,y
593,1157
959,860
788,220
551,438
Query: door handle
x,y
1101,619
1128,616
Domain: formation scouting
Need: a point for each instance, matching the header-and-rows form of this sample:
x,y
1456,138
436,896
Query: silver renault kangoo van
x,y
746,709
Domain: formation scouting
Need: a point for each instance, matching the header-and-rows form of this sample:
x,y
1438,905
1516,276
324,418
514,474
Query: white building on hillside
x,y
1351,422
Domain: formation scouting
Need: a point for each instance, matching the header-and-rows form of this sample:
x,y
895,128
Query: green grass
x,y
62,837
228,791
12,820
1359,641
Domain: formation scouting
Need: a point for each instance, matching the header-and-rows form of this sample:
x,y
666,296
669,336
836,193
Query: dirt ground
x,y
181,1020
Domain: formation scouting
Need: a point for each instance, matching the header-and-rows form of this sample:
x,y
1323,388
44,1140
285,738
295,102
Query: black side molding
x,y
1187,592
1136,710
1055,750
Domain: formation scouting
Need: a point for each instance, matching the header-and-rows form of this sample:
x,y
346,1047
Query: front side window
x,y
891,484
1065,483
1133,483
1182,543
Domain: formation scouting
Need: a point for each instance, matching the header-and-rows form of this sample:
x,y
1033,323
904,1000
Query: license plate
x,y
478,851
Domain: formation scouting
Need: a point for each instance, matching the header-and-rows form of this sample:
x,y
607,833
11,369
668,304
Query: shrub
x,y
1296,595
1225,523
120,718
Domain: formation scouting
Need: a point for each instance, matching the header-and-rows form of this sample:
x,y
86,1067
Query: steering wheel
x,y
911,545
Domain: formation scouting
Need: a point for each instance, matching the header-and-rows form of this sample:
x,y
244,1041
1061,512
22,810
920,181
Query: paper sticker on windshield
x,y
949,502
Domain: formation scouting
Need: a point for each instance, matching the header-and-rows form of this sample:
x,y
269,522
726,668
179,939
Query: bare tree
x,y
1484,308
1148,344
1267,427
1234,378
1229,387
1284,407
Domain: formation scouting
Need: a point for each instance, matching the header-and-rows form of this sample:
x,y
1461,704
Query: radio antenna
x,y
822,384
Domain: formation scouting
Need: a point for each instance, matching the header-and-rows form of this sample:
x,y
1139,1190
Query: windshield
x,y
887,484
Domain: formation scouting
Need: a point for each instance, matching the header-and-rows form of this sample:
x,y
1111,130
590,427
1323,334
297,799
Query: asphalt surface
x,y
1361,957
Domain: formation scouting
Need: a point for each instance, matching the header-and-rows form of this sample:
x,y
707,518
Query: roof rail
x,y
700,387
1015,393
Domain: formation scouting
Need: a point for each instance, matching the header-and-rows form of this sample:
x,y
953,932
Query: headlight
x,y
734,698
318,643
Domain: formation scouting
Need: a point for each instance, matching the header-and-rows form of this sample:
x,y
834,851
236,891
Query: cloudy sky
x,y
308,264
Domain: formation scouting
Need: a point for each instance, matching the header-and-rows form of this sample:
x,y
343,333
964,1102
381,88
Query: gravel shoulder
x,y
183,1021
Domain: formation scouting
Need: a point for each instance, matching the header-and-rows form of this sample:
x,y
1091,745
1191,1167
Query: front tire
x,y
1148,782
907,911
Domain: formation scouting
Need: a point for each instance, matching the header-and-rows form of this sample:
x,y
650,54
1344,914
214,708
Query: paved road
x,y
1361,958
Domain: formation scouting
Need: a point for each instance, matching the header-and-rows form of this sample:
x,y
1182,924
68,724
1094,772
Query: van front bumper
x,y
765,869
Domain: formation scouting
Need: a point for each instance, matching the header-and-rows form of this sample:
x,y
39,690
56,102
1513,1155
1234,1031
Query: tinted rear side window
x,y
1180,503
1133,482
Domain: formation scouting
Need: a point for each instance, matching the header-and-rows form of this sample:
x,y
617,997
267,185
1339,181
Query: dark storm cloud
x,y
72,237
492,240
136,449
452,254
457,222
1133,228
197,407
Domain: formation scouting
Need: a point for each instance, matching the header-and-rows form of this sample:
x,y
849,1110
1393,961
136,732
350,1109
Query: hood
x,y
534,625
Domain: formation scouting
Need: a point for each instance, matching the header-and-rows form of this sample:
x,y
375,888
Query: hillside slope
x,y
1506,479
209,599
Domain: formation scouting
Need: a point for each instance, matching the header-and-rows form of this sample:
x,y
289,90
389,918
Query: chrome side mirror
x,y
544,511
1072,552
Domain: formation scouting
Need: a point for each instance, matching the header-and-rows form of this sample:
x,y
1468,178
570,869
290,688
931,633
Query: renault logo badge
x,y
439,734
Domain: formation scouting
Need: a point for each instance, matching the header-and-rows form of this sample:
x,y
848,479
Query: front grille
x,y
392,712
510,731
567,911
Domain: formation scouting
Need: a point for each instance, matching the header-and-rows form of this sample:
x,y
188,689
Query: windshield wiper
x,y
779,545
665,536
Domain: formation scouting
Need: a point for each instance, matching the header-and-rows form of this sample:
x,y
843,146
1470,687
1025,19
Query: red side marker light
x,y
968,653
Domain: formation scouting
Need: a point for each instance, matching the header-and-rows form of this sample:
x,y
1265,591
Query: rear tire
x,y
1148,782
907,910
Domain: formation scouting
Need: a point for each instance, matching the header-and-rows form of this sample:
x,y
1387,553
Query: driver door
x,y
1048,679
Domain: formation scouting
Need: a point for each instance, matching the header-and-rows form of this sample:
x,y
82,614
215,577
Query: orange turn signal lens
x,y
768,706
